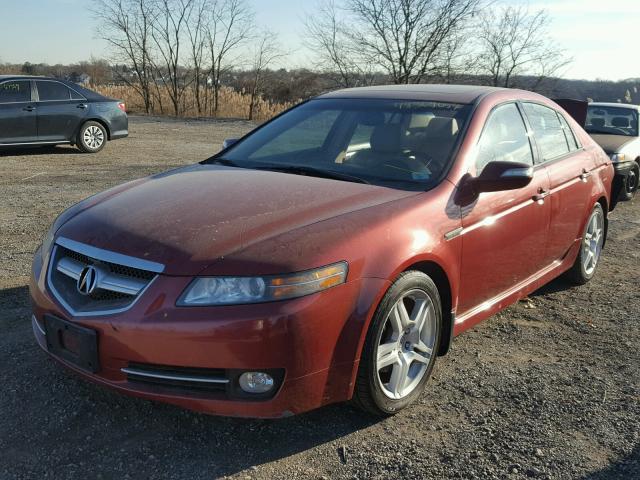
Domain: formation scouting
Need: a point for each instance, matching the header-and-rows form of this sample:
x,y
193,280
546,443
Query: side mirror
x,y
228,142
499,176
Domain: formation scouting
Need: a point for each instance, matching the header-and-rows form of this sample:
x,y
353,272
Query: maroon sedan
x,y
331,254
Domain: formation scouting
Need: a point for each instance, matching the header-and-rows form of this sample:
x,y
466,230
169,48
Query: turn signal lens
x,y
242,290
122,107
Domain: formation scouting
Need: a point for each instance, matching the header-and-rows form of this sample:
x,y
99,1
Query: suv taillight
x,y
122,107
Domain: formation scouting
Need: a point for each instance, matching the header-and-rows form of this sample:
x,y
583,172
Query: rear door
x,y
570,169
61,111
17,112
504,233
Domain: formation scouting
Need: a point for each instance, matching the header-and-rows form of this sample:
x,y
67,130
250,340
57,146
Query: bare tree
x,y
405,38
516,42
126,26
267,51
229,26
454,59
196,28
168,30
327,36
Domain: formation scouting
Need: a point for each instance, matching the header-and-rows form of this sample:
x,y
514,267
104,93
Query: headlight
x,y
239,290
618,157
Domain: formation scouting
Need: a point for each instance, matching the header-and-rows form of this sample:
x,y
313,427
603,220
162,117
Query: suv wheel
x,y
92,137
401,345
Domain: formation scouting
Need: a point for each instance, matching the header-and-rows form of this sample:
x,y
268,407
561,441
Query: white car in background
x,y
614,126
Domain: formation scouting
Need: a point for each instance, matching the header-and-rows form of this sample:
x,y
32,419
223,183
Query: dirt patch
x,y
549,392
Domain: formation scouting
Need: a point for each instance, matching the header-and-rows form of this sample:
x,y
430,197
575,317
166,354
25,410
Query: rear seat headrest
x,y
386,138
622,122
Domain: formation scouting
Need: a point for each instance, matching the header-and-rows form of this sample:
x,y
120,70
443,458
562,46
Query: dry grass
x,y
233,104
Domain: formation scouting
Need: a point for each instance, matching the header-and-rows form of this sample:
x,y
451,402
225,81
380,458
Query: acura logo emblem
x,y
87,280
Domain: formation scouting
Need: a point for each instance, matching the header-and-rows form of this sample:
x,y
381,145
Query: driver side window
x,y
504,139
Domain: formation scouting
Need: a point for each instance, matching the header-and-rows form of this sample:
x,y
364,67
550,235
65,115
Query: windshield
x,y
612,120
399,144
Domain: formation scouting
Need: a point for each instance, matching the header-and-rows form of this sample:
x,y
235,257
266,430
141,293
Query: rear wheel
x,y
588,258
631,183
92,137
401,345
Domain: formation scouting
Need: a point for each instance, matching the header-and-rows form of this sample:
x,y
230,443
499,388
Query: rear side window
x,y
568,133
76,95
548,130
14,92
504,138
52,91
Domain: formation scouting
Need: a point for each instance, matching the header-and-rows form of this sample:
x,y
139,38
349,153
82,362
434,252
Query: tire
x,y
584,268
630,184
385,390
92,137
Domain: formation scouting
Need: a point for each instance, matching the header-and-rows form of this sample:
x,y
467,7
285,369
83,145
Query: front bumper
x,y
623,168
314,340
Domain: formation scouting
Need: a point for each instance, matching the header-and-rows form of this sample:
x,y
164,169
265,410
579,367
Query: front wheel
x,y
588,258
631,183
92,137
401,345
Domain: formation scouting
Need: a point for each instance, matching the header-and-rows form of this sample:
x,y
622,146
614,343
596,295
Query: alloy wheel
x,y
631,185
93,137
406,344
592,242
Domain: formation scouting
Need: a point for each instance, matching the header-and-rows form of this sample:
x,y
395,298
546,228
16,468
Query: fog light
x,y
256,382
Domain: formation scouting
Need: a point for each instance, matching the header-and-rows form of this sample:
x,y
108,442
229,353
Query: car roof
x,y
24,77
612,104
434,92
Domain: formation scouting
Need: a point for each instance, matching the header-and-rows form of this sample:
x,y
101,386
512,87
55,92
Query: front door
x,y
17,113
569,170
60,112
504,233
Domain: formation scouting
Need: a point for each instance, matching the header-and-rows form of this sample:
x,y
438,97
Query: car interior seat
x,y
620,122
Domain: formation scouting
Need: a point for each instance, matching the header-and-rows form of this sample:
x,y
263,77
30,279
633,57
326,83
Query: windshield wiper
x,y
224,161
311,172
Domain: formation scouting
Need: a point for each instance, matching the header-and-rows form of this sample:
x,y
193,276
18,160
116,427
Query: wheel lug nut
x,y
407,345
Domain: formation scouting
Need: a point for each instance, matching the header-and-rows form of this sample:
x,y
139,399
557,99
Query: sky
x,y
600,35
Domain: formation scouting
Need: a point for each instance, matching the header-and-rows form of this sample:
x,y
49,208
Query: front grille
x,y
113,287
185,378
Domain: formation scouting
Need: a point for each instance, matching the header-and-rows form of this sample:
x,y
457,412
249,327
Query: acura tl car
x,y
614,126
48,111
331,254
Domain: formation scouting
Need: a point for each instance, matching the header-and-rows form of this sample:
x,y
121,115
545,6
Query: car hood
x,y
611,143
188,218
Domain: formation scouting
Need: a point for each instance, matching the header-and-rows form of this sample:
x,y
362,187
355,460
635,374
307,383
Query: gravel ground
x,y
549,388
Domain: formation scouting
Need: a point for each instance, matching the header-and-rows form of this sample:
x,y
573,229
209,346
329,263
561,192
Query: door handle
x,y
585,175
29,108
82,106
541,195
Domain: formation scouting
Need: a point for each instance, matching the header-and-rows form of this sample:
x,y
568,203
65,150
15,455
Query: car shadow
x,y
65,411
626,467
38,150
559,284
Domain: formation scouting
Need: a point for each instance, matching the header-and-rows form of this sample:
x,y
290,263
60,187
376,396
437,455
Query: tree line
x,y
171,52
182,45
